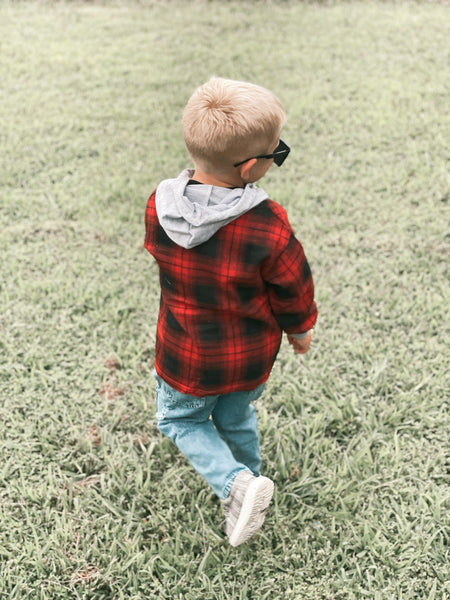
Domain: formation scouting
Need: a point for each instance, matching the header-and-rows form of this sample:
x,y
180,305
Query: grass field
x,y
94,503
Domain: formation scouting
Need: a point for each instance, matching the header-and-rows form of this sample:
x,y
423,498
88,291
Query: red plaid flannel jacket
x,y
225,303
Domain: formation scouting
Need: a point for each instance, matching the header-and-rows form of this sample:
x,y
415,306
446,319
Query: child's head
x,y
226,121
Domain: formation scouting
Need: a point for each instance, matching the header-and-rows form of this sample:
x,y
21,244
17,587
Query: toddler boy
x,y
233,277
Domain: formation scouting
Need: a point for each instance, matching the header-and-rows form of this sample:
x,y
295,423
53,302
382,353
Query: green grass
x,y
94,503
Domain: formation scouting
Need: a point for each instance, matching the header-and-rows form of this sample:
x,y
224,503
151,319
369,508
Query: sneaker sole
x,y
253,510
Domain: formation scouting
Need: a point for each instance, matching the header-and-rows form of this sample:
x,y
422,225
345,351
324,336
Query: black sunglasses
x,y
279,155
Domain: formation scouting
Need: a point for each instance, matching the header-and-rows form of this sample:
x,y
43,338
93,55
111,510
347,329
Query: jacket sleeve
x,y
290,287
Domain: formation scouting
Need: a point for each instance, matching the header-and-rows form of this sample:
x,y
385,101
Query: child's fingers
x,y
301,346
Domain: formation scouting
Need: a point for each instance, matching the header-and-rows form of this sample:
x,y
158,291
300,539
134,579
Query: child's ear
x,y
244,170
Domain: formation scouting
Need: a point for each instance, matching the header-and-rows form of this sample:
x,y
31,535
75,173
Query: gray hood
x,y
190,215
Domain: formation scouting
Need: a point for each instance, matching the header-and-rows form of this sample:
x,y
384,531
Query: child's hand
x,y
300,345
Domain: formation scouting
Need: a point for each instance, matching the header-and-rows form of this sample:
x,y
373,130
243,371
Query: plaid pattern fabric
x,y
225,303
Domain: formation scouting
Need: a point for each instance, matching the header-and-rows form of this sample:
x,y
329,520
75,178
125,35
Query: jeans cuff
x,y
230,480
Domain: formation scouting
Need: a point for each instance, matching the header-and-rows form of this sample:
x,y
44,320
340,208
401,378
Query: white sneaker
x,y
246,506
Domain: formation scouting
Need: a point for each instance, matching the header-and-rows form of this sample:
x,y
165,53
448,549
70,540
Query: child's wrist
x,y
299,336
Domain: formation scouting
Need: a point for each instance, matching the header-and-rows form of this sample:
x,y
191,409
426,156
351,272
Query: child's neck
x,y
225,180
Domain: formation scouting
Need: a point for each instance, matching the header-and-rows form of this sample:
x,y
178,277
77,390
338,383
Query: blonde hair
x,y
226,121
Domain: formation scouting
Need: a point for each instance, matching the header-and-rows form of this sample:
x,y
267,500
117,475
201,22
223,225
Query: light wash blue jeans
x,y
217,434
